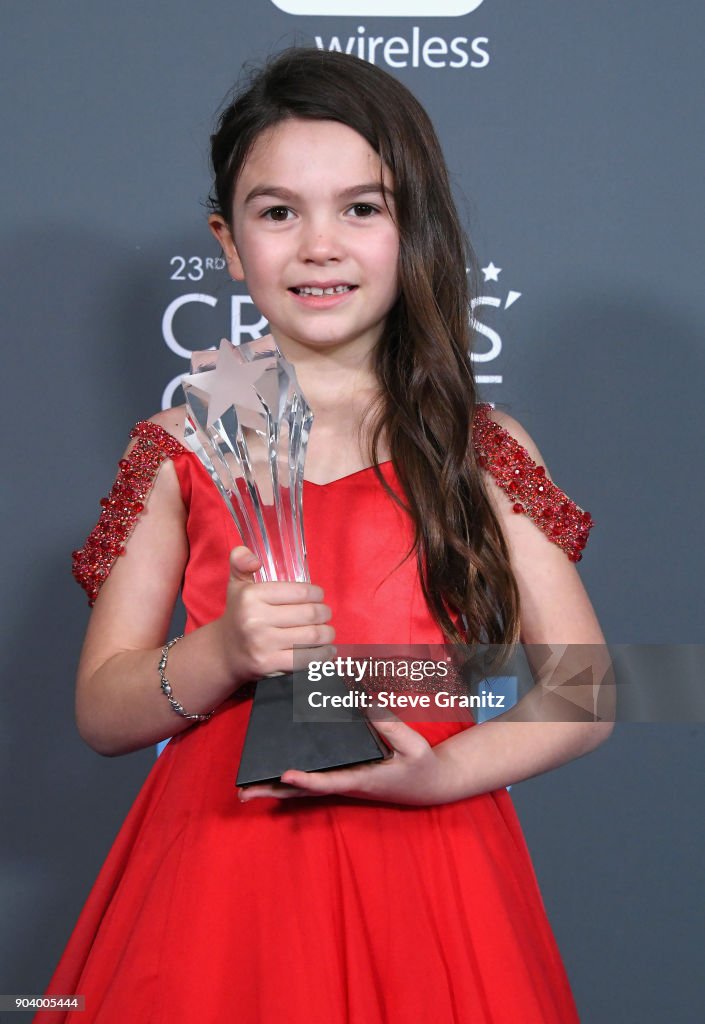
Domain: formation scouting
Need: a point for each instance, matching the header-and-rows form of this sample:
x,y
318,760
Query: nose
x,y
319,241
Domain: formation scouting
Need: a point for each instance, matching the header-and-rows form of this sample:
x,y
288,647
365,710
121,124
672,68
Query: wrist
x,y
227,657
175,703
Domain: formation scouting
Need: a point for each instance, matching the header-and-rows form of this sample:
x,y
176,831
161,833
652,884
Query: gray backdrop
x,y
574,135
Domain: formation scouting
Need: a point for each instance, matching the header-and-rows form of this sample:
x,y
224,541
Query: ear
x,y
224,238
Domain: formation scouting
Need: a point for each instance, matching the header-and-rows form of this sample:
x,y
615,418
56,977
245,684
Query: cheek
x,y
262,265
389,261
262,255
382,252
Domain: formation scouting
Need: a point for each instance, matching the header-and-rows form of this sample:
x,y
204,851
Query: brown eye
x,y
363,209
278,213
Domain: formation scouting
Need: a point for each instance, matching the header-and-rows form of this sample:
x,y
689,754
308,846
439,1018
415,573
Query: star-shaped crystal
x,y
235,382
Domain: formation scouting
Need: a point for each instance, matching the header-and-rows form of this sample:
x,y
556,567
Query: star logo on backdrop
x,y
491,272
488,335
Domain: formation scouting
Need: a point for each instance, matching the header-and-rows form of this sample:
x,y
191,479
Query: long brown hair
x,y
428,395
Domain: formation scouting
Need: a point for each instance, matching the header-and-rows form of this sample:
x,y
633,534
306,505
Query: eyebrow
x,y
278,192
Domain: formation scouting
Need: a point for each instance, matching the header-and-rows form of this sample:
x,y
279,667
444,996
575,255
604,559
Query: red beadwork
x,y
120,510
521,478
496,450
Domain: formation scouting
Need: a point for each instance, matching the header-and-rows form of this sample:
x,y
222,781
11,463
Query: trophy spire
x,y
249,423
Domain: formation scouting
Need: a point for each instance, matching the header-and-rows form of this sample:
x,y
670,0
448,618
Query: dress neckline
x,y
154,433
348,476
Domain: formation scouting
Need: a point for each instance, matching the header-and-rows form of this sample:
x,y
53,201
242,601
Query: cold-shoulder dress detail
x,y
123,506
316,910
524,482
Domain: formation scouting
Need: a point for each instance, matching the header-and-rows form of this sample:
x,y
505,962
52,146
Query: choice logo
x,y
379,8
195,314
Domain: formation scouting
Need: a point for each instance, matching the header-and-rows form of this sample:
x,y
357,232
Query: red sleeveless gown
x,y
314,910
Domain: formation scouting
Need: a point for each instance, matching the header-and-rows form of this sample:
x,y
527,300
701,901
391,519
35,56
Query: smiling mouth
x,y
338,289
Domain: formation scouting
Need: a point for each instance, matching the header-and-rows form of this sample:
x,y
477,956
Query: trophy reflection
x,y
249,424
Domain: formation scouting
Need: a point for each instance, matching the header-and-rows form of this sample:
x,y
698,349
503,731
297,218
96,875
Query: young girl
x,y
395,892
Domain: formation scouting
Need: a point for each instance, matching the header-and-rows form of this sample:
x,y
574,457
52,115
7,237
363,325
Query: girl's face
x,y
309,214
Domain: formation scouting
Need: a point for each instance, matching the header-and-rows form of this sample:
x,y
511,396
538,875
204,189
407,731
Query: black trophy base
x,y
275,742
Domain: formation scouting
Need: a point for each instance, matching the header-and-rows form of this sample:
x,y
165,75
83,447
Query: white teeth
x,y
323,291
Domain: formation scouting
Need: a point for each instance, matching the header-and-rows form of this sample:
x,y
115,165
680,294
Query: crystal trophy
x,y
249,423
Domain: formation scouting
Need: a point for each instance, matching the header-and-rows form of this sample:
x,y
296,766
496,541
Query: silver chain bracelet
x,y
166,685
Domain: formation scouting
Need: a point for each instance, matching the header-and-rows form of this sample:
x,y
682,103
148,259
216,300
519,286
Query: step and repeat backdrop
x,y
573,133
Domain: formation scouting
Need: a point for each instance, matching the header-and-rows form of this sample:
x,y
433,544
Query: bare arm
x,y
119,703
555,610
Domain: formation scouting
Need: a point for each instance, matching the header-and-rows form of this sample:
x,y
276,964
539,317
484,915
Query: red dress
x,y
315,910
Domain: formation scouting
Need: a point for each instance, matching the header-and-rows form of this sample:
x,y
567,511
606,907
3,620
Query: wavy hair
x,y
428,396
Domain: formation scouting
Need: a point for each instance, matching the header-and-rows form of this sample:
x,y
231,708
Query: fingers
x,y
290,593
398,735
243,563
305,638
264,622
279,792
283,615
310,614
286,627
340,780
296,784
295,643
396,778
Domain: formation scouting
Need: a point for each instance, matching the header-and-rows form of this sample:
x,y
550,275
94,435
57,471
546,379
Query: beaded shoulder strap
x,y
528,487
121,509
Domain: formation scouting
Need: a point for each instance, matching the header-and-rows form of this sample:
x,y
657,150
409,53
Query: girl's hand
x,y
263,622
416,773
